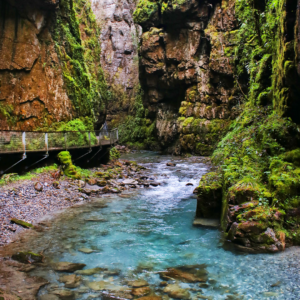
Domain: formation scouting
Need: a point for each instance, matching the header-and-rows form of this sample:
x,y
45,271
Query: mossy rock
x,y
28,257
21,223
68,168
209,201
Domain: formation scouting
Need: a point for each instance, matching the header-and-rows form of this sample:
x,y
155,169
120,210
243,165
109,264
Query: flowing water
x,y
152,230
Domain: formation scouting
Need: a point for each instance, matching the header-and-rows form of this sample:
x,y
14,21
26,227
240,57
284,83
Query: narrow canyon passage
x,y
142,233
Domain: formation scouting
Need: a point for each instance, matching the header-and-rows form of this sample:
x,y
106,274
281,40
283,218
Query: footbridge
x,y
24,142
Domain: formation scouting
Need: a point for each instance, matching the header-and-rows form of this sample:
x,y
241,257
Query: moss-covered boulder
x,y
27,257
209,200
69,169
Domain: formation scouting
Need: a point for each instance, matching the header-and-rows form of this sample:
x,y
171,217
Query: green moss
x,y
21,223
28,257
80,57
68,168
137,131
144,11
12,177
114,154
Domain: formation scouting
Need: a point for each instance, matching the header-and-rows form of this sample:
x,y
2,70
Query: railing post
x,y
90,139
66,140
46,142
24,143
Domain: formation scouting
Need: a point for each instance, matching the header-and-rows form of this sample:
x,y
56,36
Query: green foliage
x,y
145,11
137,130
114,154
7,113
12,177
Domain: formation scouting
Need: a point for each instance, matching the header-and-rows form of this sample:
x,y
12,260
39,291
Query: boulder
x,y
48,297
138,283
141,291
64,266
176,292
89,272
70,281
64,294
27,257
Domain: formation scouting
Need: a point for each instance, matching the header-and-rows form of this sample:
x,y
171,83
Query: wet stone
x,y
138,283
86,250
67,266
141,291
89,272
48,297
70,281
176,292
27,257
64,294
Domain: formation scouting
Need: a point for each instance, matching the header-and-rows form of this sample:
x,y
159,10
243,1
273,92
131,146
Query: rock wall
x,y
256,182
119,45
48,71
186,71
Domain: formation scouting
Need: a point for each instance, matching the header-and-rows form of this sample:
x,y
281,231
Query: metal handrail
x,y
16,141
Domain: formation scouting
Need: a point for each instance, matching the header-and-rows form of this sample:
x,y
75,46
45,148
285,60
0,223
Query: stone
x,y
150,298
176,292
56,184
86,250
64,294
38,186
129,182
141,291
21,223
138,283
99,285
163,283
270,294
67,266
70,281
48,297
189,184
203,285
180,275
169,164
89,272
203,222
278,283
154,183
81,183
28,257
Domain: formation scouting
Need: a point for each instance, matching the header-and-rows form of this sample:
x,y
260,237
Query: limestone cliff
x,y
119,45
49,64
186,71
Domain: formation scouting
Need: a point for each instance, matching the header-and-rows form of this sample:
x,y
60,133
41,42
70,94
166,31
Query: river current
x,y
150,229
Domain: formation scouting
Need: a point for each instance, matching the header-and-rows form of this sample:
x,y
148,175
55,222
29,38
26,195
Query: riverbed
x,y
140,233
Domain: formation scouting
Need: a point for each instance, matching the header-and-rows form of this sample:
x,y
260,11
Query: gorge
x,y
213,78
